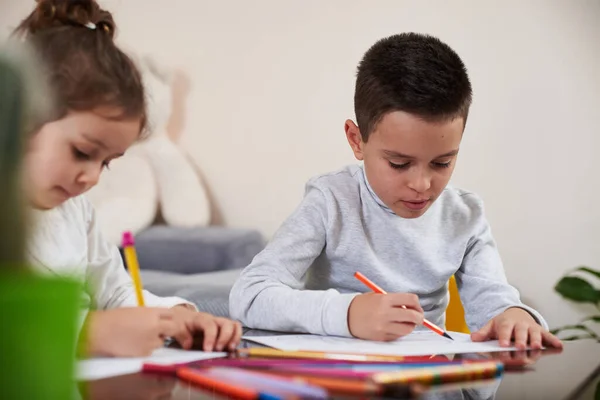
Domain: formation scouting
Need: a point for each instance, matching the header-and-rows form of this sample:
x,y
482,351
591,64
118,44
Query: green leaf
x,y
597,395
595,318
577,337
589,271
578,290
578,326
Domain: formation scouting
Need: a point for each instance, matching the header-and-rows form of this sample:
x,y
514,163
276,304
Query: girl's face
x,y
66,157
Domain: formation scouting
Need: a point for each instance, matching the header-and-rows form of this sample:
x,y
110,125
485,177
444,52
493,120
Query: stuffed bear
x,y
154,175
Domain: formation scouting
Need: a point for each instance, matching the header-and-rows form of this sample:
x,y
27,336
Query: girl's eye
x,y
80,155
399,166
105,164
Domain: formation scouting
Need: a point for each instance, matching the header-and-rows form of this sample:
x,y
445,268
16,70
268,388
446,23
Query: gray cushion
x,y
208,291
193,250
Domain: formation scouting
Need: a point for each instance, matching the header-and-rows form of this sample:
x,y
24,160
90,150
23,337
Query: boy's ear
x,y
354,139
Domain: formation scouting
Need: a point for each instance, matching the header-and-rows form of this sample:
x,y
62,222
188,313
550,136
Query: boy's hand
x,y
128,332
516,323
381,317
218,334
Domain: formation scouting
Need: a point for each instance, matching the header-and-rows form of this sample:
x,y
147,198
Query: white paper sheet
x,y
100,368
416,344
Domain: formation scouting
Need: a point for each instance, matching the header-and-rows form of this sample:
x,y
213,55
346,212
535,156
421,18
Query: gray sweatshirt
x,y
303,280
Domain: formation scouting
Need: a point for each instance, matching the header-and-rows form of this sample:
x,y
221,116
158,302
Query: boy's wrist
x,y
523,311
531,313
335,315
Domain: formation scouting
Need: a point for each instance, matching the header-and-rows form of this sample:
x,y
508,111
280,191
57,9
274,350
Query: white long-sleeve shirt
x,y
303,281
67,242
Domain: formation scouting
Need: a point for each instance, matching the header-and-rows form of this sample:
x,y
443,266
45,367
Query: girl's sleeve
x,y
107,281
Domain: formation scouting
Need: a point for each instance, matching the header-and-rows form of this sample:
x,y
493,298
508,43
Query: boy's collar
x,y
377,199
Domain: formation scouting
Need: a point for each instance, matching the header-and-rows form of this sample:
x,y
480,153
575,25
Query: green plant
x,y
575,288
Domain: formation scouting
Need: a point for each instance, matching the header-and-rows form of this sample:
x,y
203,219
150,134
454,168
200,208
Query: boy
x,y
394,219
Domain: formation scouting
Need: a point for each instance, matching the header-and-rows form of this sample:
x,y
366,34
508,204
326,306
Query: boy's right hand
x,y
129,332
380,317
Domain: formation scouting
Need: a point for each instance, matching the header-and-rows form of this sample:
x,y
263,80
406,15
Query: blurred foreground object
x,y
39,315
12,221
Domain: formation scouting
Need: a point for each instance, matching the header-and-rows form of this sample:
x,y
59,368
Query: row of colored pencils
x,y
258,373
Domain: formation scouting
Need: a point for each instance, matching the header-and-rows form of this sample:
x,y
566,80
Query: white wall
x,y
273,83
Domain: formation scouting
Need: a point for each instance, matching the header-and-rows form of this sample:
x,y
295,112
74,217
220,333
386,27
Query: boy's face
x,y
408,161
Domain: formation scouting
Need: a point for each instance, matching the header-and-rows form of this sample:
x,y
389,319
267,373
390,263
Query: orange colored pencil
x,y
197,378
371,285
334,385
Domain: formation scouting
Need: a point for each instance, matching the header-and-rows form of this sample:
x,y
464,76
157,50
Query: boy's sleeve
x,y
482,284
108,282
270,293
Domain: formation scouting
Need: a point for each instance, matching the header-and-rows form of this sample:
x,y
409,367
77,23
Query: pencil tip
x,y
448,336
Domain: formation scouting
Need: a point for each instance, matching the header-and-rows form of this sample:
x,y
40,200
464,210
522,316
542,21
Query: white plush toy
x,y
154,173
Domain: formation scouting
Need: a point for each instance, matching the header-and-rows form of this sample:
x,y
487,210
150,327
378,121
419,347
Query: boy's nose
x,y
420,181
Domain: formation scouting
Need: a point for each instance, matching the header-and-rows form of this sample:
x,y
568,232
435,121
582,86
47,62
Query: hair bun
x,y
57,13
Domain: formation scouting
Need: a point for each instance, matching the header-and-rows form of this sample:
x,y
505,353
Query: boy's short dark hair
x,y
410,72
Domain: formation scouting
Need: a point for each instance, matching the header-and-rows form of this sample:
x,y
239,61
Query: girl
x,y
99,113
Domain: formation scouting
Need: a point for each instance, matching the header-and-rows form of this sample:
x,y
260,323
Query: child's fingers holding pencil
x,y
237,337
184,317
171,326
214,333
226,332
411,299
205,325
405,300
405,316
229,334
402,322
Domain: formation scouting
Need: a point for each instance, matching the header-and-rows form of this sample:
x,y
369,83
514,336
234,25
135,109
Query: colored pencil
x,y
441,374
275,353
360,371
162,369
371,285
326,373
132,266
351,371
285,363
273,383
335,385
200,378
458,386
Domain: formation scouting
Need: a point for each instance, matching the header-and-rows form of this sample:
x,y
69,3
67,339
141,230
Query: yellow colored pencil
x,y
133,266
316,355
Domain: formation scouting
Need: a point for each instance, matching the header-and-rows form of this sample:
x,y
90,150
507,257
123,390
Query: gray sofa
x,y
198,264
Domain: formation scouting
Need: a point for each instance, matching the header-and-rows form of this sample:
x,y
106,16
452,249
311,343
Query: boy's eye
x,y
105,164
399,166
442,165
80,155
